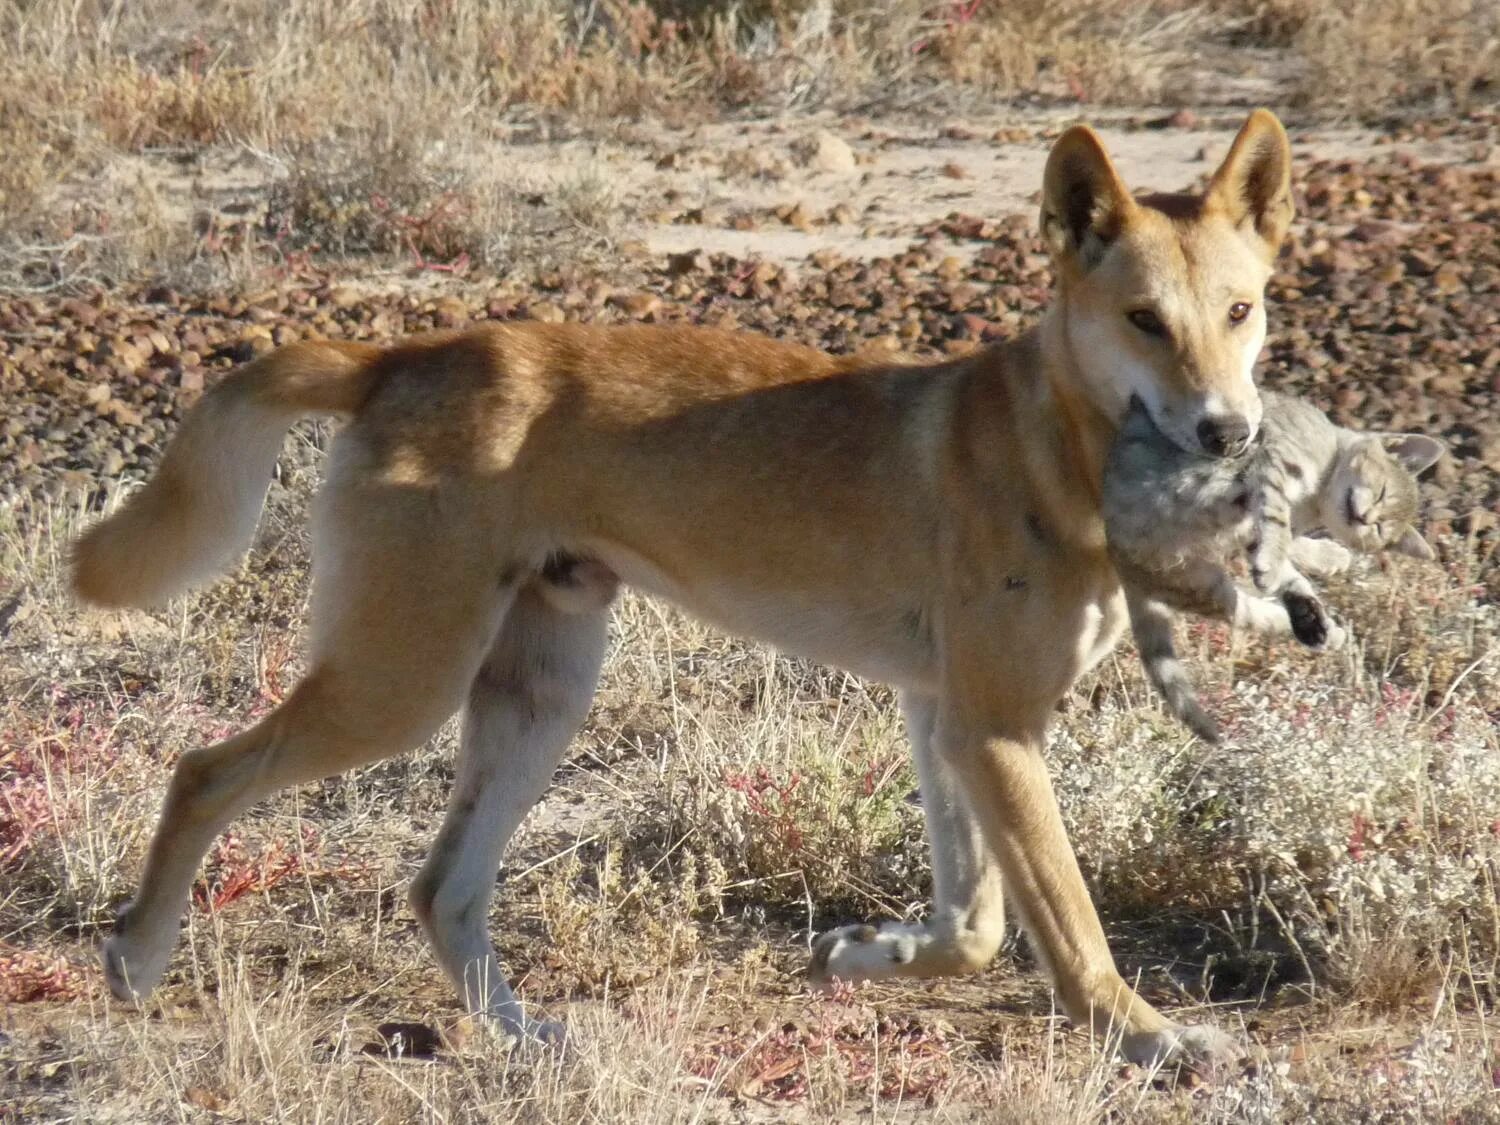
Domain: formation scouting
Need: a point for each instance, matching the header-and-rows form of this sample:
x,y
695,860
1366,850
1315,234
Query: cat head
x,y
1370,502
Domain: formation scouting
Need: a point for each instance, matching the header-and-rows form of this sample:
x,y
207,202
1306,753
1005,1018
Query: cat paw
x,y
1335,558
1321,558
1310,623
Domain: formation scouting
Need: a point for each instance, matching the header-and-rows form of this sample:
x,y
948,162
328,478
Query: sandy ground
x,y
764,188
903,174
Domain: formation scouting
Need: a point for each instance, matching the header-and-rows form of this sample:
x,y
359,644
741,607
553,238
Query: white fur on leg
x,y
524,706
967,923
1261,615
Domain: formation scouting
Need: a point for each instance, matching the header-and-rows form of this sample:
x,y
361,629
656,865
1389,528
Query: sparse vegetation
x,y
1326,880
722,806
405,112
1388,53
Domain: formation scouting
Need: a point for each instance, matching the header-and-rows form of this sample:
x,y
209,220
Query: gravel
x,y
1386,312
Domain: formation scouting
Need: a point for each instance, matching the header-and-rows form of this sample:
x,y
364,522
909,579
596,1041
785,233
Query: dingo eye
x,y
1238,311
1148,322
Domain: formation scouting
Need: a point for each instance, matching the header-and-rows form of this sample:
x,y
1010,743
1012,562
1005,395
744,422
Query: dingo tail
x,y
198,512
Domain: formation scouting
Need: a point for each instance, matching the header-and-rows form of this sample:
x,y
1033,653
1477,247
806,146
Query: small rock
x,y
636,305
1476,520
795,215
830,153
973,327
686,262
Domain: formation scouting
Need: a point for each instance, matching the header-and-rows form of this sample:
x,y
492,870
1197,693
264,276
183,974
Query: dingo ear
x,y
1416,452
1084,203
1254,184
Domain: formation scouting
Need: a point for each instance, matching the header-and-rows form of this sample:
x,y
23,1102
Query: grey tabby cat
x,y
1174,519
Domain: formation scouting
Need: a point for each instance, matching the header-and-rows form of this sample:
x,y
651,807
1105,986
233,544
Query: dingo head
x,y
1162,295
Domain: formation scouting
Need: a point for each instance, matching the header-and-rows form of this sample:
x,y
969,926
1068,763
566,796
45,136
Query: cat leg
x,y
1204,588
1310,621
1271,519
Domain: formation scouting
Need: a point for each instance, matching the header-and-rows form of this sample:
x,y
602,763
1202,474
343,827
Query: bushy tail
x,y
198,513
1152,625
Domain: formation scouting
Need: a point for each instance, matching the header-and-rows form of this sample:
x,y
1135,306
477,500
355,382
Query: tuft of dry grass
x,y
1377,56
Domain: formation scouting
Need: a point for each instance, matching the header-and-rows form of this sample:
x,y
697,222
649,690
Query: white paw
x,y
547,1033
1336,558
509,1022
862,952
1201,1047
493,1032
134,966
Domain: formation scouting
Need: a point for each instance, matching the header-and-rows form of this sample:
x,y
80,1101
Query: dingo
x,y
936,527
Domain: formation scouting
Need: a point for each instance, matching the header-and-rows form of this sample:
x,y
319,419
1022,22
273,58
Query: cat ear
x,y
1416,452
1413,545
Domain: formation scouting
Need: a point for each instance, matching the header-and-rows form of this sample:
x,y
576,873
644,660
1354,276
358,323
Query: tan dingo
x,y
935,527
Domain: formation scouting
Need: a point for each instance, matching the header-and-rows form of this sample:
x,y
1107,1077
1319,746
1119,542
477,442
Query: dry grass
x,y
404,111
1329,873
1378,56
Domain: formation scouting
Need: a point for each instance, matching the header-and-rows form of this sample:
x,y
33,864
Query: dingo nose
x,y
1224,435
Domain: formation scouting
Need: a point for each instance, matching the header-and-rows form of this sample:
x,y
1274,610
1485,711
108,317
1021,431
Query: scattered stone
x,y
1382,308
637,306
827,152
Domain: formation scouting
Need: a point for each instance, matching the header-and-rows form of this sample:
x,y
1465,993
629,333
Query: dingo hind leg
x,y
392,653
529,698
967,924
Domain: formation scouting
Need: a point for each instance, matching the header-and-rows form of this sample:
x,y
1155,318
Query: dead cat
x,y
1175,519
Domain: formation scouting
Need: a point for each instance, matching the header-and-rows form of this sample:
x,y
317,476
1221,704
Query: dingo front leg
x,y
1006,779
967,923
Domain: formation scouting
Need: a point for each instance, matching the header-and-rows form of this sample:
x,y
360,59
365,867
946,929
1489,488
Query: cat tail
x,y
1151,622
